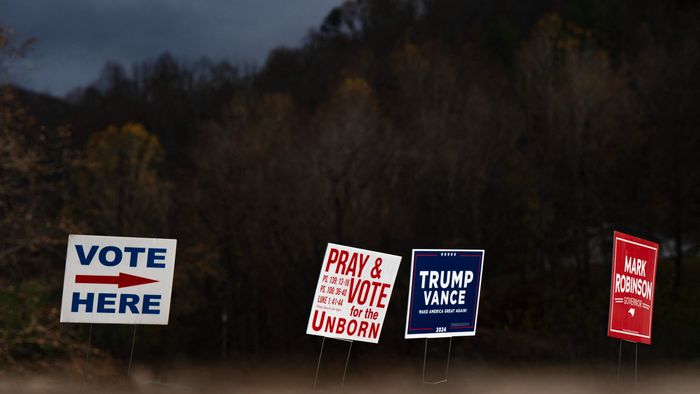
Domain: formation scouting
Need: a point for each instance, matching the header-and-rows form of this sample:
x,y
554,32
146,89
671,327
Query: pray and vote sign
x,y
119,280
632,288
443,300
352,294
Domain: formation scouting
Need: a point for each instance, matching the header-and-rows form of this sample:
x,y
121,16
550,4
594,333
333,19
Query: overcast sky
x,y
76,37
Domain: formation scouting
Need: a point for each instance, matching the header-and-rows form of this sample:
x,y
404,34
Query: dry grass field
x,y
296,378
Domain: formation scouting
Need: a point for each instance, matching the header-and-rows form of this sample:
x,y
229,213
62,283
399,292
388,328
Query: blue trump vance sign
x,y
444,292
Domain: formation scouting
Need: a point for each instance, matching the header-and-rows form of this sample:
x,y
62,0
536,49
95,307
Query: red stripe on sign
x,y
97,279
121,280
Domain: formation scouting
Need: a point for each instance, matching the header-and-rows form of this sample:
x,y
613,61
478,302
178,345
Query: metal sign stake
x,y
347,361
318,365
425,354
635,365
131,356
87,353
619,361
449,351
447,367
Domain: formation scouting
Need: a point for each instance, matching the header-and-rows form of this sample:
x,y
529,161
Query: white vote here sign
x,y
119,280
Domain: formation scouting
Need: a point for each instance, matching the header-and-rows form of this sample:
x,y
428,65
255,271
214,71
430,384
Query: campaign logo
x,y
444,293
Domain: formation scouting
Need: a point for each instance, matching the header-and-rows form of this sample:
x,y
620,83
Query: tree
x,y
253,188
456,137
119,189
349,156
574,102
665,74
34,160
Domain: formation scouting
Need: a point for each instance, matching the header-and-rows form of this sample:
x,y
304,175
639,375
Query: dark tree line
x,y
530,129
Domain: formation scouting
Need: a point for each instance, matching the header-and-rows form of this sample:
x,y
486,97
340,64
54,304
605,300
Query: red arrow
x,y
121,280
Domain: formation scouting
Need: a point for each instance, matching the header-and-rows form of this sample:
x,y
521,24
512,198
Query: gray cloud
x,y
76,37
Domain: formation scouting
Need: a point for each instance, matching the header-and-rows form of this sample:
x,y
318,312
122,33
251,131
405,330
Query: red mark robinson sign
x,y
632,288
